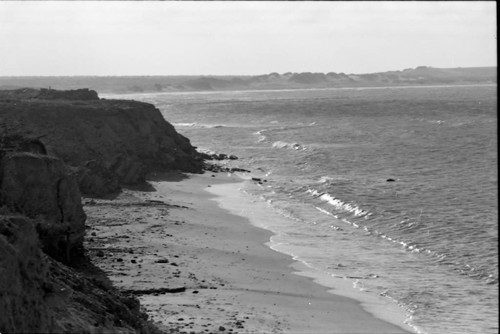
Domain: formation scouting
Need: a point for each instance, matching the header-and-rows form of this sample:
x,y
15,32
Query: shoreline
x,y
199,268
112,95
232,199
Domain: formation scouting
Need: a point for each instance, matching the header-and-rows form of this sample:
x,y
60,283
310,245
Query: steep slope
x,y
41,188
41,295
109,142
47,284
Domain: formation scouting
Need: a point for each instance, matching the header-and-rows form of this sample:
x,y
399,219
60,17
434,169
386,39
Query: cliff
x,y
41,295
107,142
53,145
47,283
42,225
40,187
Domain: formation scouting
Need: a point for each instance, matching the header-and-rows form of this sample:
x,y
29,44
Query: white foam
x,y
262,138
338,204
282,144
184,124
262,215
325,179
198,126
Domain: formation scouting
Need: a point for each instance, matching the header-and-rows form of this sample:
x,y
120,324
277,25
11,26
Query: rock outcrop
x,y
23,273
84,94
108,142
41,295
42,225
40,187
52,144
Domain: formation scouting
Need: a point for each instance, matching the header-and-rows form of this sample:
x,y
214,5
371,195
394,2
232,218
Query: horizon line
x,y
226,75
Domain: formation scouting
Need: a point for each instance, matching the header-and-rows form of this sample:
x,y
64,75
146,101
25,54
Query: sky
x,y
242,38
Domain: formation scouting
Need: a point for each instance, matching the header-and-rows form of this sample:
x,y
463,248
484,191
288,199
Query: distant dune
x,y
422,75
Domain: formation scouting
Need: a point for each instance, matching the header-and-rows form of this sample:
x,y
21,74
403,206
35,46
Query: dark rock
x,y
235,169
162,261
40,187
153,201
76,94
40,295
256,179
220,156
23,278
125,139
94,179
391,180
156,291
19,143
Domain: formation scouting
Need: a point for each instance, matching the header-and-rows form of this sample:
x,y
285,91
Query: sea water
x,y
393,189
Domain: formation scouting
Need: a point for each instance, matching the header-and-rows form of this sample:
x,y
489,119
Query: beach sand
x,y
200,268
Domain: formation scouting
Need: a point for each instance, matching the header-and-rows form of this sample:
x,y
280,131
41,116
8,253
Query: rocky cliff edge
x,y
107,143
47,284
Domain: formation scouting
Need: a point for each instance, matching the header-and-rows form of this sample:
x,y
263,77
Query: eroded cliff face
x,y
40,187
23,273
108,142
53,146
46,284
41,295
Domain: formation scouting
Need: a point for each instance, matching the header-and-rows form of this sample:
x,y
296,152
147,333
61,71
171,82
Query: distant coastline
x,y
418,77
117,95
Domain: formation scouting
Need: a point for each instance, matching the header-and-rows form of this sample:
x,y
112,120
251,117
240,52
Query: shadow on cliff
x,y
99,277
154,177
107,144
47,283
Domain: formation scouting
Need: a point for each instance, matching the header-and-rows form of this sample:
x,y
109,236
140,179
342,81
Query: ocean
x,y
392,189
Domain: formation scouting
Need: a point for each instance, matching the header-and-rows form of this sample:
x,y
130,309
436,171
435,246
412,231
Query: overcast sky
x,y
184,38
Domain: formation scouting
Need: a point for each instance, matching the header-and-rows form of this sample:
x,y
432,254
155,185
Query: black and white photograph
x,y
250,167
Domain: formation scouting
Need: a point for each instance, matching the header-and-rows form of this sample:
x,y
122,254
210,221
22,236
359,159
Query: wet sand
x,y
198,268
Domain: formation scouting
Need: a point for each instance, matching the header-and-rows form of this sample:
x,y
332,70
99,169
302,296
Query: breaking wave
x,y
290,146
197,125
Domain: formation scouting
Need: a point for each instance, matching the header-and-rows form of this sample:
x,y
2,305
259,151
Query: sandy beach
x,y
198,267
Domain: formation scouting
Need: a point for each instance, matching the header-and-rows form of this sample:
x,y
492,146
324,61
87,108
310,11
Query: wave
x,y
197,125
460,267
338,204
262,138
330,180
285,145
281,144
326,179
